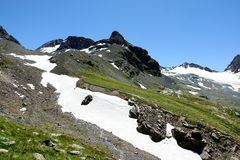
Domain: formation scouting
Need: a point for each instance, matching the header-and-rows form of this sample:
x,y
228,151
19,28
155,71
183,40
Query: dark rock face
x,y
117,38
145,61
189,140
73,42
5,35
150,122
234,66
87,100
186,65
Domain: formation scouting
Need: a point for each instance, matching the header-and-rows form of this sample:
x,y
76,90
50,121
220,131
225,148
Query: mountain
x,y
207,83
234,66
5,35
107,99
193,65
137,57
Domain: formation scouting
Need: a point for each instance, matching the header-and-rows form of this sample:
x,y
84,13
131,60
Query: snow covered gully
x,y
108,112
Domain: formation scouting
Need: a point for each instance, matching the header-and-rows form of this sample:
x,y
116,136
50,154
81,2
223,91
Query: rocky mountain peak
x,y
117,38
234,66
193,65
5,35
74,42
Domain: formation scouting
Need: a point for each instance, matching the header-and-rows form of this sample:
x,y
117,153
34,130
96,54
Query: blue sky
x,y
206,32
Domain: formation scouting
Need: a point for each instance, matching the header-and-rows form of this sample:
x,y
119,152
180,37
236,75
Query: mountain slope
x,y
5,35
50,93
234,66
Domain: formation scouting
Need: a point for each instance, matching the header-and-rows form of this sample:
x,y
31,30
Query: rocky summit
x,y
234,66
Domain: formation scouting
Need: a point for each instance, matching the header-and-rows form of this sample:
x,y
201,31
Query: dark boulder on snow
x,y
87,100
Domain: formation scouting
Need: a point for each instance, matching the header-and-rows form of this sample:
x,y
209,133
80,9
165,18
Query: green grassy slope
x,y
27,141
194,109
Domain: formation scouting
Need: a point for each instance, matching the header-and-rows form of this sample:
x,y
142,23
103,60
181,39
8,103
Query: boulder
x,y
133,113
38,156
87,100
191,140
152,122
48,143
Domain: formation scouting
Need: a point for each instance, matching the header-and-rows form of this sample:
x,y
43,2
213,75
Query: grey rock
x,y
9,143
38,156
205,156
75,152
3,150
215,137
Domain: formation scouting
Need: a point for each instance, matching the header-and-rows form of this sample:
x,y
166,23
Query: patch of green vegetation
x,y
26,141
4,62
195,109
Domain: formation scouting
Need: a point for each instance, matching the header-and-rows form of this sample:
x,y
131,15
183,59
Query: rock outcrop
x,y
149,122
5,35
234,66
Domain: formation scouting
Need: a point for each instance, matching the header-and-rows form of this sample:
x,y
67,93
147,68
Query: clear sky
x,y
206,32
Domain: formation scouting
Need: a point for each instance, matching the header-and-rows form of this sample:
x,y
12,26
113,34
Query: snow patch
x,y
14,85
100,55
141,86
202,85
23,109
102,49
49,49
20,95
31,86
88,50
114,65
109,113
196,88
193,93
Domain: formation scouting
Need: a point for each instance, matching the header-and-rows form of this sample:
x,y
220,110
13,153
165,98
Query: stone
x,y
38,156
205,156
9,143
87,100
3,150
152,122
75,152
215,137
133,113
188,141
76,146
48,143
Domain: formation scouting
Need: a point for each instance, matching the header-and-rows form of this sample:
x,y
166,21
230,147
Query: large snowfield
x,y
226,77
108,112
